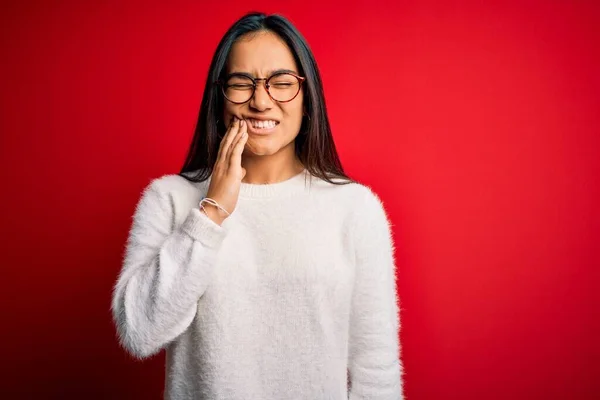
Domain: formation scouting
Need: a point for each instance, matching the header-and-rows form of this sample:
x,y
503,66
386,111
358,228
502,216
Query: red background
x,y
476,123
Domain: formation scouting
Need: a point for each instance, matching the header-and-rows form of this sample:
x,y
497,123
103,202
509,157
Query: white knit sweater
x,y
293,297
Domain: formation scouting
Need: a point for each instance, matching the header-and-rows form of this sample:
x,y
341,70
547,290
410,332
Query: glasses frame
x,y
222,84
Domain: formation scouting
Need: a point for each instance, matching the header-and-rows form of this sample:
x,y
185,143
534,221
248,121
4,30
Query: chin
x,y
266,148
260,151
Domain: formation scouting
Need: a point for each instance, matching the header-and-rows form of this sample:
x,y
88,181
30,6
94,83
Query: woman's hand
x,y
227,173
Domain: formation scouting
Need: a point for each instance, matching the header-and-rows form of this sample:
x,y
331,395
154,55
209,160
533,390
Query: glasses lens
x,y
238,89
284,87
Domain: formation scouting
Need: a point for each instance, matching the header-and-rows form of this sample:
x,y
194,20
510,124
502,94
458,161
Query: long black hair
x,y
314,144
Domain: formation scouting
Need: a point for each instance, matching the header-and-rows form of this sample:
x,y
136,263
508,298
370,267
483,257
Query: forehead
x,y
259,54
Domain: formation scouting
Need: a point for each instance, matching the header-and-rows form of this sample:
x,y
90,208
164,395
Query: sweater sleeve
x,y
375,369
165,271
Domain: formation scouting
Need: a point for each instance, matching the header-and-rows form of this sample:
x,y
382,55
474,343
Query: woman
x,y
261,268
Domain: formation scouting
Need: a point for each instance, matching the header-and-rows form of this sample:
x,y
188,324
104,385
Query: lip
x,y
246,117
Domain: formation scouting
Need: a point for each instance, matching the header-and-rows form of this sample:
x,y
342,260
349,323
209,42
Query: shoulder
x,y
355,195
167,193
369,207
370,225
173,186
173,183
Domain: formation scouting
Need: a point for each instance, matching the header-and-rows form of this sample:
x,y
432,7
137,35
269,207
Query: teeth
x,y
263,124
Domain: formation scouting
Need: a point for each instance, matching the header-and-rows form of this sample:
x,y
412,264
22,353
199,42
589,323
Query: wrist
x,y
213,213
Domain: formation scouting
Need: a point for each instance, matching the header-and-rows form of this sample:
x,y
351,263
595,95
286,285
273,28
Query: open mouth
x,y
260,126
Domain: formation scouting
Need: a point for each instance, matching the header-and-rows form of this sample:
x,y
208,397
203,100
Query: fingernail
x,y
243,123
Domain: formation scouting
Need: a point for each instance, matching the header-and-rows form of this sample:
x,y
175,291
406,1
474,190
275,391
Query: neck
x,y
270,169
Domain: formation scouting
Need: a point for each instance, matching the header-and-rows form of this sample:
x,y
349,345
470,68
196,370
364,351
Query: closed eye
x,y
240,86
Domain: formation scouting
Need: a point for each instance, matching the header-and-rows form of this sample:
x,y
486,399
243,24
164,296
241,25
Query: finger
x,y
233,129
227,139
236,154
243,128
243,132
222,142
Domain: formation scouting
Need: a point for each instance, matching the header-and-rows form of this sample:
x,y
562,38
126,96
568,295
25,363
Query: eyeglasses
x,y
282,87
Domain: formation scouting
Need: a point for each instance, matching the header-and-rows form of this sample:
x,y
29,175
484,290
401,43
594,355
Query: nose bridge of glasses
x,y
264,86
260,100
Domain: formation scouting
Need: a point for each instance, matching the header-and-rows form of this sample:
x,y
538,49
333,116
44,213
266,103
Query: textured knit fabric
x,y
293,297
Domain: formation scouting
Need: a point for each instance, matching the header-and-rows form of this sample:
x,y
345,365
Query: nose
x,y
261,100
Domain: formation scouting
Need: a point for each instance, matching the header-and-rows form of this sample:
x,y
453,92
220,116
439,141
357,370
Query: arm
x,y
164,273
374,349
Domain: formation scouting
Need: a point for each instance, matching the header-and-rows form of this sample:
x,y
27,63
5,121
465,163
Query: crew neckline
x,y
292,185
262,190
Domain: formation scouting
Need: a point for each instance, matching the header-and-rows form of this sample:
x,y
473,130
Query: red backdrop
x,y
476,123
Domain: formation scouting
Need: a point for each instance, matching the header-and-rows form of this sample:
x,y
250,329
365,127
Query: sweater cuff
x,y
203,229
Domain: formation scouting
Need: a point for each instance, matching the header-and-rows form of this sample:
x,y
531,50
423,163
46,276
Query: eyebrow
x,y
271,73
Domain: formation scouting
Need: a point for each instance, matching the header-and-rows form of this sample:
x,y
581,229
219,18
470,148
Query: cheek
x,y
294,115
228,111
